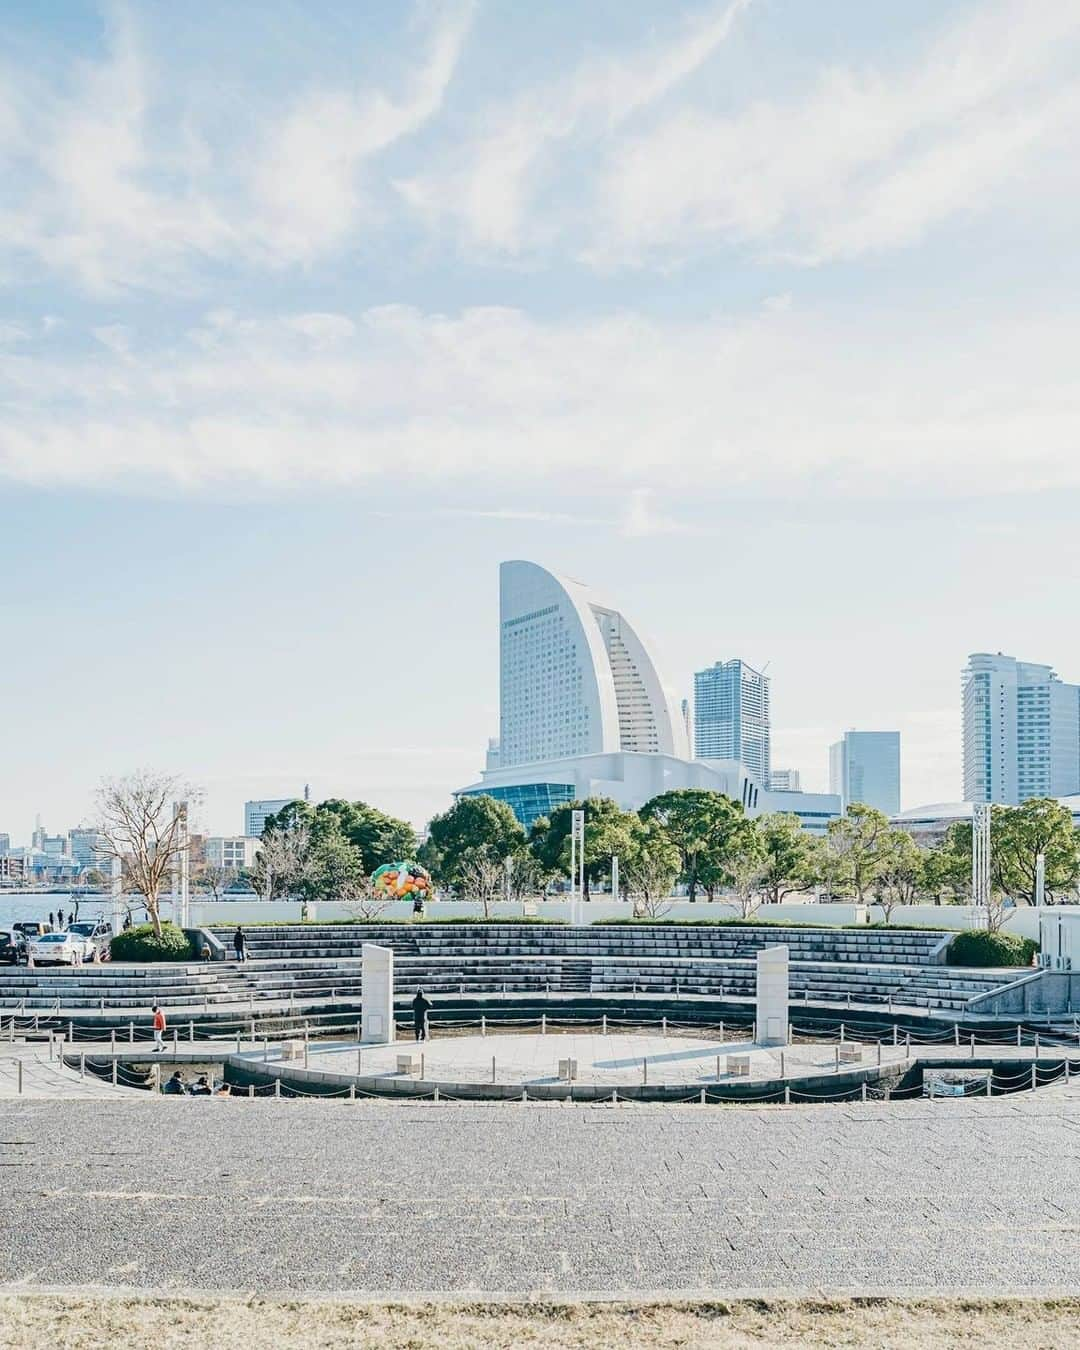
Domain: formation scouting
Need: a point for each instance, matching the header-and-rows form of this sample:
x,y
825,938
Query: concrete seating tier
x,y
223,986
325,941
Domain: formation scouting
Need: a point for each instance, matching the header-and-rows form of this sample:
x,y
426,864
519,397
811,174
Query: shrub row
x,y
143,944
978,948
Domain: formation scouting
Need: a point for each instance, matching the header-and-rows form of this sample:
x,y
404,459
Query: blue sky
x,y
758,316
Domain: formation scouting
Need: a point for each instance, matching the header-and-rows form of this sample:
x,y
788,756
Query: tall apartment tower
x,y
1021,731
731,716
865,767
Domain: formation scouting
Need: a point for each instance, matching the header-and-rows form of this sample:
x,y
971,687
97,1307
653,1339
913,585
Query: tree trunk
x,y
692,892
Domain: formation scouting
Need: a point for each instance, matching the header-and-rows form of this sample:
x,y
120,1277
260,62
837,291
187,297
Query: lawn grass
x,y
128,1322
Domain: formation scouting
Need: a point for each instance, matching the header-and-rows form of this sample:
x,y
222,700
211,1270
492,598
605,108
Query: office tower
x,y
233,852
1021,731
785,780
85,847
865,767
731,716
255,814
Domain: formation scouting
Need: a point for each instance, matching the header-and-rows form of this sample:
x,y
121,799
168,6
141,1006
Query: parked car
x,y
97,935
26,929
10,954
58,949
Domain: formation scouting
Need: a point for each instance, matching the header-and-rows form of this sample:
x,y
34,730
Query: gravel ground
x,y
42,1323
384,1198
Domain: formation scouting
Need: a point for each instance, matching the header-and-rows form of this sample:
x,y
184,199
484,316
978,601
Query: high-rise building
x,y
785,780
5,844
255,814
85,847
865,767
1021,731
576,678
731,716
585,713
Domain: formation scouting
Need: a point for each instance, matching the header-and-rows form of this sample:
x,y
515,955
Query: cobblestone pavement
x,y
382,1197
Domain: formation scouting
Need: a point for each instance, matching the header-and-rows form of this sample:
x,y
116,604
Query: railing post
x,y
131,1033
1036,1042
956,1033
543,1024
483,1025
787,1094
114,1073
191,1029
1018,1040
604,1025
863,1092
972,1045
663,1026
112,1039
277,1087
1034,1075
20,1073
82,1066
841,1033
493,1068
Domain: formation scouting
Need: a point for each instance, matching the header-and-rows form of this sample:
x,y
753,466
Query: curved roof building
x,y
576,678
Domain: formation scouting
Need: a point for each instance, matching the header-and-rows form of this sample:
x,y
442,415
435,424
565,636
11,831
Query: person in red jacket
x,y
159,1028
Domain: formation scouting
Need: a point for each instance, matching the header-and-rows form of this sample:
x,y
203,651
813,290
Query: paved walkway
x,y
615,1059
384,1198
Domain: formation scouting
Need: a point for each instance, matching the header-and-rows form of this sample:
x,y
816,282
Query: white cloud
x,y
305,183
649,411
118,196
492,181
867,159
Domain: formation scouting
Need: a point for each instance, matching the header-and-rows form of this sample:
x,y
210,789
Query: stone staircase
x,y
716,942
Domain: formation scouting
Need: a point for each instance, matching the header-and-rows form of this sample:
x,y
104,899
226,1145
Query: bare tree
x,y
748,874
215,879
138,825
280,860
362,900
649,882
481,877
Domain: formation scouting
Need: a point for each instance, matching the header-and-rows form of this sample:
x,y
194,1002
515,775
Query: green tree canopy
x,y
607,833
708,828
379,838
474,829
1018,834
649,865
901,873
856,847
791,858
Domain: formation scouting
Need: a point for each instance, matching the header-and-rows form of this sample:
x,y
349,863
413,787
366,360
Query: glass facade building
x,y
731,716
865,767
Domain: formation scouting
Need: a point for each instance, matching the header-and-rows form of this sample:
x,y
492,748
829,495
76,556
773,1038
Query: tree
x,y
607,834
473,823
528,876
947,866
856,846
280,860
901,874
649,867
377,837
332,868
138,826
216,879
790,856
1018,834
708,828
480,876
747,880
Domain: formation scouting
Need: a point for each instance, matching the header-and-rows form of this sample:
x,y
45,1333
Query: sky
x,y
758,316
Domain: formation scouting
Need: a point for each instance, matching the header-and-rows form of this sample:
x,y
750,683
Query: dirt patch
x,y
79,1322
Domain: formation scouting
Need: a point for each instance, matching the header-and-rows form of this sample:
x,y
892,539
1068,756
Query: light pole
x,y
1040,878
614,876
577,864
980,854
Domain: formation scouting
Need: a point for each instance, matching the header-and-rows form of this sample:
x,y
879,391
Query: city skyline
x,y
270,415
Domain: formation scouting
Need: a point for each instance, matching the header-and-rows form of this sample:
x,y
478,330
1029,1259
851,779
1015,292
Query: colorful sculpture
x,y
402,881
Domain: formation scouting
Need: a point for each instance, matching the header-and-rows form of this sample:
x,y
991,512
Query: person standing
x,y
159,1028
52,919
420,1008
239,943
59,917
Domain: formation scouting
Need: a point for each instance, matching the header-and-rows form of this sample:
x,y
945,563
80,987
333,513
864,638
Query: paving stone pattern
x,y
387,1198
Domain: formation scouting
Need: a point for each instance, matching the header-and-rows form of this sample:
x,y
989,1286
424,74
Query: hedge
x,y
142,944
975,947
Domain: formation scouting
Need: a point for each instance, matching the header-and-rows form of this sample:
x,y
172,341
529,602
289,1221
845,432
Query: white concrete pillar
x,y
377,994
772,996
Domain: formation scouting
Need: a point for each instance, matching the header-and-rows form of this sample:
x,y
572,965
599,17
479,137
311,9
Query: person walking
x,y
159,1028
420,1008
59,918
52,919
239,943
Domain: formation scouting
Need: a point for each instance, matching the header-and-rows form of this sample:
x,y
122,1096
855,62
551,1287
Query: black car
x,y
9,950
